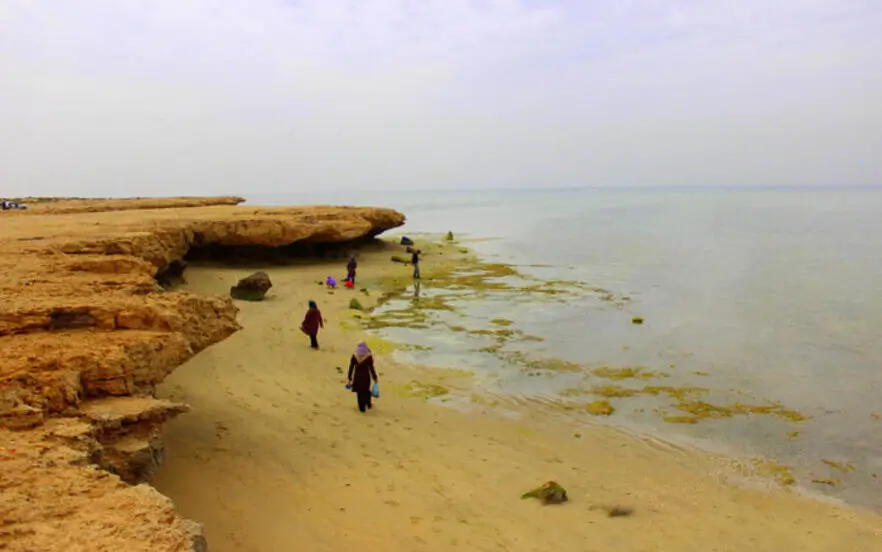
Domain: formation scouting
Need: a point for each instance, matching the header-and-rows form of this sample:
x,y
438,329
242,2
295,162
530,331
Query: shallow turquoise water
x,y
773,294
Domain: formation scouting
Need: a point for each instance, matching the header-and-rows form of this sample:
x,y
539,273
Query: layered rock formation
x,y
86,333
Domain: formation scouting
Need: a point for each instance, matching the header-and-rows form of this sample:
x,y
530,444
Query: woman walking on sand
x,y
361,370
311,324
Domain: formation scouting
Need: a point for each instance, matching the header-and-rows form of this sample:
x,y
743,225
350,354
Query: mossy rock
x,y
637,320
399,259
355,305
449,236
600,408
549,493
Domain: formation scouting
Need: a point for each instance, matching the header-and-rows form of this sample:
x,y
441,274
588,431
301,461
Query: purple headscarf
x,y
362,351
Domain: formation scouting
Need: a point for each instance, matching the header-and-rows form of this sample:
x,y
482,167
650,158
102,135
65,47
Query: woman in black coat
x,y
361,371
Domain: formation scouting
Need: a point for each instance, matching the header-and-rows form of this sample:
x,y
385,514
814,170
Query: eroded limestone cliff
x,y
86,333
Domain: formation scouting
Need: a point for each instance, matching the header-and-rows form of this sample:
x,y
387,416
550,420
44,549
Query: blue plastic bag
x,y
375,390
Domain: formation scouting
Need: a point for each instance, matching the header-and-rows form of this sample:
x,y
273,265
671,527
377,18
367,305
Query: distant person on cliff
x,y
361,370
350,269
415,261
311,324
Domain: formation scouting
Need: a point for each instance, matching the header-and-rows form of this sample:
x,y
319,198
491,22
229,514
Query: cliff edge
x,y
86,334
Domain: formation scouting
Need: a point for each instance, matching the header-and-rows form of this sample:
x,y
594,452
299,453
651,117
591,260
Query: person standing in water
x,y
350,269
361,370
311,324
415,261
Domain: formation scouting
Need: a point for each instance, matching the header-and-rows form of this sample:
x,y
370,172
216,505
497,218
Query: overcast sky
x,y
127,97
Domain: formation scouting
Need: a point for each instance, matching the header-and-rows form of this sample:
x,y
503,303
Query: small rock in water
x,y
252,288
549,493
637,320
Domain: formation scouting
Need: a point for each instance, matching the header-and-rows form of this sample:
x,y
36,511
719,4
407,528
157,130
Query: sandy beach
x,y
275,456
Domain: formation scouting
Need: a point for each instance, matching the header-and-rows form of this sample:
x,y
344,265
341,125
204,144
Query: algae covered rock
x,y
549,493
399,259
406,241
355,305
449,236
637,320
252,288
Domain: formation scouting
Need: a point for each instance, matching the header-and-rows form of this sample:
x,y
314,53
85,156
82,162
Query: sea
x,y
762,297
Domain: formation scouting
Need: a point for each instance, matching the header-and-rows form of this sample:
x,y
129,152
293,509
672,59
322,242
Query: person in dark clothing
x,y
350,269
415,261
361,370
311,324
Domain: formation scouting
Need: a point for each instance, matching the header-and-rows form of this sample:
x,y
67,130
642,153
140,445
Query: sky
x,y
193,97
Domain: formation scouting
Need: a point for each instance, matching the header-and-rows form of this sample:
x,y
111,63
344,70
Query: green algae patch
x,y
449,237
792,435
780,473
501,322
626,373
381,346
484,401
355,305
600,408
831,482
844,468
548,365
697,373
425,390
400,259
679,393
613,391
706,411
637,321
680,419
414,348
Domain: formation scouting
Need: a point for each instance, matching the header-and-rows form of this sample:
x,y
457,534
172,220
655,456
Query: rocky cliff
x,y
86,333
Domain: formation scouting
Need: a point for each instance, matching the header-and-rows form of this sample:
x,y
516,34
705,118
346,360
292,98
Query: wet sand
x,y
275,455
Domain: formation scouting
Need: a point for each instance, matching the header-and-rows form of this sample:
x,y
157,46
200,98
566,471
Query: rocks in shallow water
x,y
549,493
252,288
637,320
406,241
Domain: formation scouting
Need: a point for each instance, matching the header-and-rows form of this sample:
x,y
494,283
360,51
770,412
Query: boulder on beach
x,y
549,493
406,241
252,288
449,236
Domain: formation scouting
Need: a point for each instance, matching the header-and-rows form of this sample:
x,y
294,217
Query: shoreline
x,y
272,453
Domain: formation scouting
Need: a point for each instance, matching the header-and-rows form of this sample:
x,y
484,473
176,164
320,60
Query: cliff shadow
x,y
260,256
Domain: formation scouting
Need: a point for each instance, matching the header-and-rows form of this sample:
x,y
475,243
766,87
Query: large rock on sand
x,y
252,288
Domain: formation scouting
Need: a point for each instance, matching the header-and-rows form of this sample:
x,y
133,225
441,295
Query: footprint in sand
x,y
221,430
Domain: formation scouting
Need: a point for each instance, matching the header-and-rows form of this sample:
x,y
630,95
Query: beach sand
x,y
275,456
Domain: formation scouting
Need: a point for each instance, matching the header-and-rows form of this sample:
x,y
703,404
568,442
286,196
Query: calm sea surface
x,y
759,296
